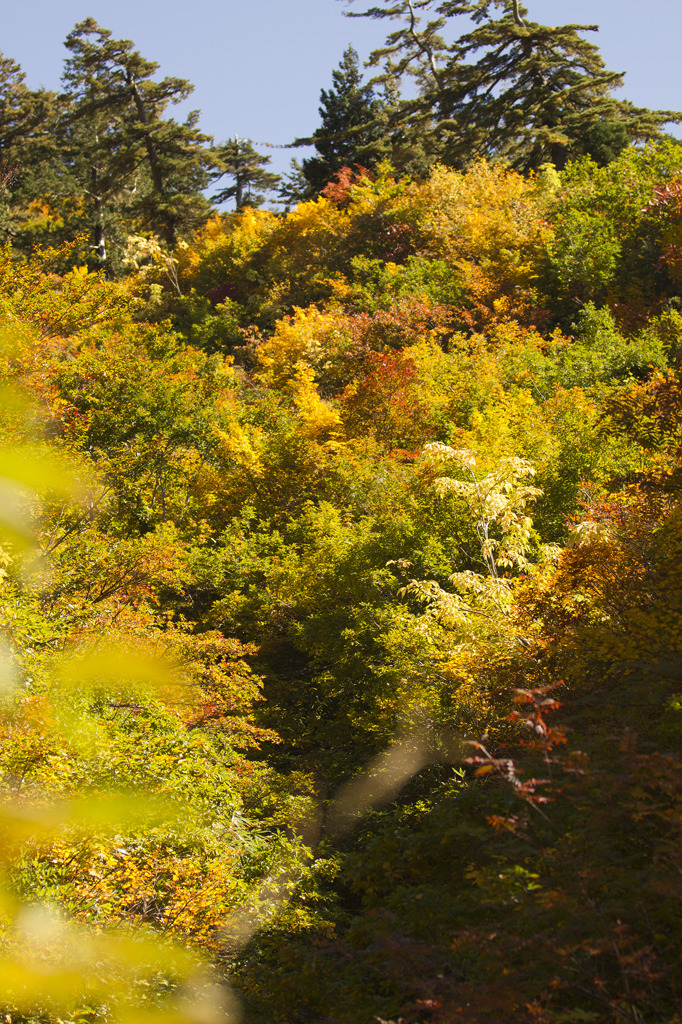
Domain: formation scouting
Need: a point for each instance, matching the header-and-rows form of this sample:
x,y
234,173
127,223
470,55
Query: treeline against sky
x,y
103,159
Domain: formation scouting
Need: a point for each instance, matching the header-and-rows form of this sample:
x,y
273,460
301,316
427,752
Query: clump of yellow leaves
x,y
500,499
241,444
307,339
318,417
472,627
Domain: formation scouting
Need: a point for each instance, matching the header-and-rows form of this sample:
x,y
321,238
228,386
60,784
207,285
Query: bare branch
x,y
517,14
421,44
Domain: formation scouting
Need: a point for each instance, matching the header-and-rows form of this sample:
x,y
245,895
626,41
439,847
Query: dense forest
x,y
340,546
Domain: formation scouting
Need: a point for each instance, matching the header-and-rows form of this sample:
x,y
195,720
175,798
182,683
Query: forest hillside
x,y
340,572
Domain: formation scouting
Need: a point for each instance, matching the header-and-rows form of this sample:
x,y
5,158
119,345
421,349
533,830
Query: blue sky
x,y
258,66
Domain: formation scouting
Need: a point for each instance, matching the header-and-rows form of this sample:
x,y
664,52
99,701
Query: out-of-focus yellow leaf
x,y
30,467
14,520
139,671
8,673
22,823
200,1003
32,987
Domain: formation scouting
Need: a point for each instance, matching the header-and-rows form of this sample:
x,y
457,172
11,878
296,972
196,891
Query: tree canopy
x,y
121,151
238,159
510,87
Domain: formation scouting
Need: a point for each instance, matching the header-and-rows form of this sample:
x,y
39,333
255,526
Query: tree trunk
x,y
152,156
559,155
98,226
154,169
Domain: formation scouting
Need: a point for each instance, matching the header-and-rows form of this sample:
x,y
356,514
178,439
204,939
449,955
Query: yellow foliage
x,y
479,214
513,422
224,240
299,252
212,231
318,417
445,381
241,444
472,705
305,339
384,193
308,219
486,223
43,215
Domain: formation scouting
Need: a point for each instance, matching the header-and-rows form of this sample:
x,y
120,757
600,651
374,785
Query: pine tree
x,y
29,162
128,160
237,159
351,131
511,88
16,114
294,186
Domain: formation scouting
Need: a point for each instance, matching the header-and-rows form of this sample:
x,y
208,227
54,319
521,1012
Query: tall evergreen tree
x,y
17,114
238,159
128,159
511,88
29,160
351,129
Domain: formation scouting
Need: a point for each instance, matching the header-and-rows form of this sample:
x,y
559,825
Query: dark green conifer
x,y
238,159
29,161
511,88
351,131
127,158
